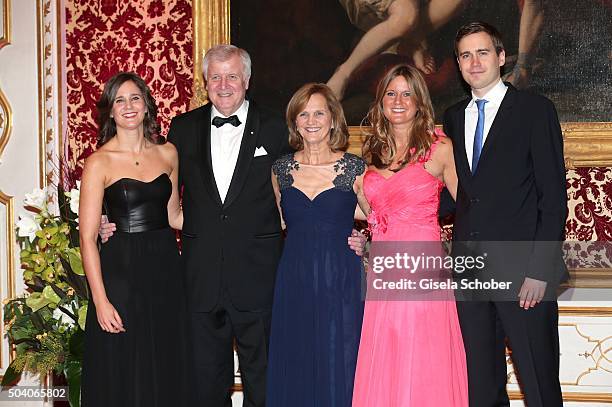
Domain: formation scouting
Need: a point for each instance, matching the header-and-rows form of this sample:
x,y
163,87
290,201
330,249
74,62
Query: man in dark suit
x,y
509,158
231,232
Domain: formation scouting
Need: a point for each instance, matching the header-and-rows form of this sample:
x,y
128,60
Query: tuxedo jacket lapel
x,y
207,172
245,156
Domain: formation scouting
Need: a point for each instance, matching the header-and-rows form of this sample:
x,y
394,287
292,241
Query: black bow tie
x,y
220,121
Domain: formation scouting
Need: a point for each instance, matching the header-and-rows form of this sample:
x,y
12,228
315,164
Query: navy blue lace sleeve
x,y
282,168
348,168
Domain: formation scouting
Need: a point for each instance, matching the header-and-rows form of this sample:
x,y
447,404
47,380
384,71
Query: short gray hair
x,y
223,52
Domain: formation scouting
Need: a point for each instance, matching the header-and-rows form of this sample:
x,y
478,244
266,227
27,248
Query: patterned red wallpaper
x,y
103,37
588,230
590,204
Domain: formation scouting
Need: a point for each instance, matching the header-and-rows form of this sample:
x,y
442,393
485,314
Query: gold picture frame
x,y
211,26
5,23
587,144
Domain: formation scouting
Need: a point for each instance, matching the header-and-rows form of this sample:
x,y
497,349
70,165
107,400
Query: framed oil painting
x,y
560,48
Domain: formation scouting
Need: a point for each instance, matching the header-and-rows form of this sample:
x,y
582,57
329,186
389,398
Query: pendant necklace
x,y
136,160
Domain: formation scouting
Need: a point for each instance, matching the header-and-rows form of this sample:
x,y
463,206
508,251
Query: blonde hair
x,y
379,148
338,140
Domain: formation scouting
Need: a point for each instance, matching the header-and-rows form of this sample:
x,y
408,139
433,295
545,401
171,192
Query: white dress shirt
x,y
494,98
224,147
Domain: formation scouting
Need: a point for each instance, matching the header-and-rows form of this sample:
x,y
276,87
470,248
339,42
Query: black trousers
x,y
533,338
213,335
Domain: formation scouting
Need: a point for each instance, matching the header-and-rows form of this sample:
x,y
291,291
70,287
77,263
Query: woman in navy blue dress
x,y
317,311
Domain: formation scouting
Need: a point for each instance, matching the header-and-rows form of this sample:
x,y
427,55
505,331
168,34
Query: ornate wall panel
x,y
7,235
6,122
5,108
586,355
5,22
22,163
151,37
7,267
49,95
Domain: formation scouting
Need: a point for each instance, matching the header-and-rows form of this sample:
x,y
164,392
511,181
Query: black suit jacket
x,y
518,192
234,245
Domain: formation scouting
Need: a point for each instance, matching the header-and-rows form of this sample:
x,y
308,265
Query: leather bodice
x,y
137,206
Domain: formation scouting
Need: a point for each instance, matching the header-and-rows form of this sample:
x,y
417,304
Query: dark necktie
x,y
220,121
479,134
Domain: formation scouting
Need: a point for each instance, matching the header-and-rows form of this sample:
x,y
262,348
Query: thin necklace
x,y
143,148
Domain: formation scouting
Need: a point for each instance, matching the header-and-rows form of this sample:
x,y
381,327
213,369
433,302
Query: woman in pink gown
x,y
411,352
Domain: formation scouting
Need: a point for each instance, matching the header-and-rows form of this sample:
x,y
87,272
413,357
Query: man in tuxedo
x,y
231,232
511,195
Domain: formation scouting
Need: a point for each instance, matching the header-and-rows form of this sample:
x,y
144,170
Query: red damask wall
x,y
150,37
590,204
589,193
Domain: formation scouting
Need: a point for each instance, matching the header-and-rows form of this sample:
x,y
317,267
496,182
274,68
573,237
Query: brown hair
x,y
107,129
478,27
379,148
338,140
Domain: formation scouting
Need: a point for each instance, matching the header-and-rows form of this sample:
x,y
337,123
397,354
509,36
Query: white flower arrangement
x,y
46,326
36,199
27,226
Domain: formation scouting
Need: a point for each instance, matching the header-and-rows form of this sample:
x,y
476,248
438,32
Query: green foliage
x,y
46,326
11,376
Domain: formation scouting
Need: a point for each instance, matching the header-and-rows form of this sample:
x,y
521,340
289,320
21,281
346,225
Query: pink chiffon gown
x,y
411,352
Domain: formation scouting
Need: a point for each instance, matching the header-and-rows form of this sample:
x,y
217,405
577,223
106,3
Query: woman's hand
x,y
109,318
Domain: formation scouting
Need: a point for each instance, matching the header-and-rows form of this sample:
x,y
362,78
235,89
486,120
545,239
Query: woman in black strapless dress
x,y
135,341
